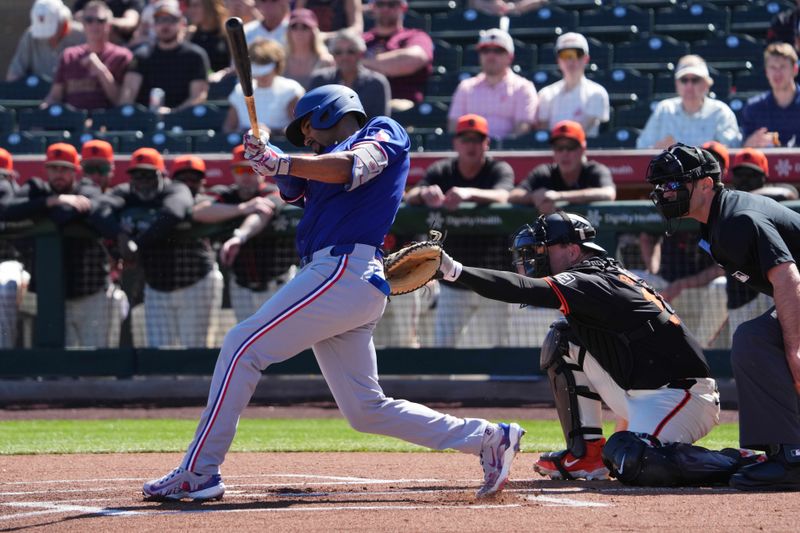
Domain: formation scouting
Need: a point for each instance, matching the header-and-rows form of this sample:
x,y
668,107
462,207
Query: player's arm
x,y
130,87
785,280
584,196
213,212
508,287
400,62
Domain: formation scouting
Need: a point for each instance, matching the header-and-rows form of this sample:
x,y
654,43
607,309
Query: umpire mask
x,y
671,170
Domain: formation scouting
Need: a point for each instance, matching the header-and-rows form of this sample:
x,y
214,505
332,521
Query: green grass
x,y
254,435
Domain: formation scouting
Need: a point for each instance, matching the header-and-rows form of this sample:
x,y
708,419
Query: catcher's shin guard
x,y
640,459
562,375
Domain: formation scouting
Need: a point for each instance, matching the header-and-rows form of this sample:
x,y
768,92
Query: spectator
x,y
574,97
261,262
372,87
335,15
182,282
691,117
172,64
750,172
244,9
275,95
89,75
93,305
507,100
773,117
502,8
126,14
571,178
403,55
97,162
721,154
463,318
208,19
305,50
784,26
14,278
274,22
52,30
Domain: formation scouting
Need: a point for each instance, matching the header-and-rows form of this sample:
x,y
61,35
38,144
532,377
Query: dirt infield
x,y
360,492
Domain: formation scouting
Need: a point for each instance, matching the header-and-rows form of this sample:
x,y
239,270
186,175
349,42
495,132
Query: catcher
x,y
619,342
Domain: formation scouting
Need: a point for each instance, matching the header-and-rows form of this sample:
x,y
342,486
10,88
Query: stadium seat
x,y
537,140
647,3
543,25
432,6
616,23
411,19
112,139
617,138
691,21
27,89
461,26
524,57
23,143
216,141
543,78
219,91
650,52
664,86
599,55
440,88
129,117
423,118
6,120
749,83
754,18
438,142
446,57
731,52
199,117
737,103
625,86
56,117
164,142
633,116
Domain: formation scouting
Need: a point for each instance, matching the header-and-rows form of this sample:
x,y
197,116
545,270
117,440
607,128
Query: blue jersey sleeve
x,y
378,145
292,189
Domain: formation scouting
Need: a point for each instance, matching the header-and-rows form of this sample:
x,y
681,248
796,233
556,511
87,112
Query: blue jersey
x,y
362,211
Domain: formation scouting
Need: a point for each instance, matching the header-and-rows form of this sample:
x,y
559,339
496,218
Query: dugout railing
x,y
47,358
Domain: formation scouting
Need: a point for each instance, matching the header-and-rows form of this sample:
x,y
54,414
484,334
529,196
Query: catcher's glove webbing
x,y
412,266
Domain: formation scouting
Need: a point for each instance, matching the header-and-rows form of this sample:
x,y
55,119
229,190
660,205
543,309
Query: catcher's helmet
x,y
672,169
326,105
529,243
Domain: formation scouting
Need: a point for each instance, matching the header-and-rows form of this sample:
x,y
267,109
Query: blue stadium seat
x,y
754,18
616,23
737,103
446,57
29,88
57,117
129,117
749,83
432,6
440,88
23,143
543,78
599,54
543,25
731,52
199,117
646,3
7,121
617,138
216,141
633,116
461,26
691,21
438,142
423,118
650,52
537,140
164,142
625,86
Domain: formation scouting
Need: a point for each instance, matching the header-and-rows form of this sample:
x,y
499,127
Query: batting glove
x,y
266,161
449,267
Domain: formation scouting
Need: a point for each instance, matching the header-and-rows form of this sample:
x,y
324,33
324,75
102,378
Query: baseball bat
x,y
234,27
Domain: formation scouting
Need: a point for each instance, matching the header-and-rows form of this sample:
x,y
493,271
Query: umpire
x,y
757,241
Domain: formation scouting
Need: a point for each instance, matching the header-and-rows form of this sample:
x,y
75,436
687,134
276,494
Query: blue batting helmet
x,y
326,105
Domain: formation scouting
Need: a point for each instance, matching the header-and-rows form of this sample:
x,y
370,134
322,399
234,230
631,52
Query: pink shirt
x,y
410,86
82,89
503,105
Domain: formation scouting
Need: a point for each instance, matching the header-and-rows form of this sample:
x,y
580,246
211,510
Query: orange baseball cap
x,y
237,159
568,129
97,149
717,148
472,122
188,162
6,161
751,158
147,158
62,155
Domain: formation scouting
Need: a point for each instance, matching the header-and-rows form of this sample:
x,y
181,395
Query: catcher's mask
x,y
529,243
671,170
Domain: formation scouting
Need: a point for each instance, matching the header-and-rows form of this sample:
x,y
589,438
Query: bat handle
x,y
251,111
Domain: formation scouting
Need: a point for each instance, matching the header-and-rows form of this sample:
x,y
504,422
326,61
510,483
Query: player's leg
x,y
198,302
72,337
89,318
119,308
160,324
453,312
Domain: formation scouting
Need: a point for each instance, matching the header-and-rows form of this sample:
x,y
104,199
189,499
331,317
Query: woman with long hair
x,y
305,49
207,18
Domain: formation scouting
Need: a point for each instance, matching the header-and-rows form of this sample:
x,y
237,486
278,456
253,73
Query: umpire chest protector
x,y
636,337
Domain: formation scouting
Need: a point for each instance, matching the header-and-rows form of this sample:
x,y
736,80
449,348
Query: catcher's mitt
x,y
412,266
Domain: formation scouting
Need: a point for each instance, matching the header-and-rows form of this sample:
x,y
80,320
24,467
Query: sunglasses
x,y
566,147
191,177
570,53
689,79
166,20
97,168
492,50
93,20
299,27
348,51
143,175
471,139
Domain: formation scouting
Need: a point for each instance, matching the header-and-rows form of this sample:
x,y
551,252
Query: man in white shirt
x,y
273,24
574,97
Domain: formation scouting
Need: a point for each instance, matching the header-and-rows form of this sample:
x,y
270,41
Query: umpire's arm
x,y
785,280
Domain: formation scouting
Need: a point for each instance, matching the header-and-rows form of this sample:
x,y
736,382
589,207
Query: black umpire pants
x,y
769,405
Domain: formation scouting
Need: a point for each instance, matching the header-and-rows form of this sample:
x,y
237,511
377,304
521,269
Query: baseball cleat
x,y
500,445
180,484
564,465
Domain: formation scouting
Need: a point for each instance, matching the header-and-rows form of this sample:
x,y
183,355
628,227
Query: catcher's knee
x,y
640,459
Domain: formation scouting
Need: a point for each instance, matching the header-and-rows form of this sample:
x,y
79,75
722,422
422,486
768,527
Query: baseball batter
x,y
351,191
